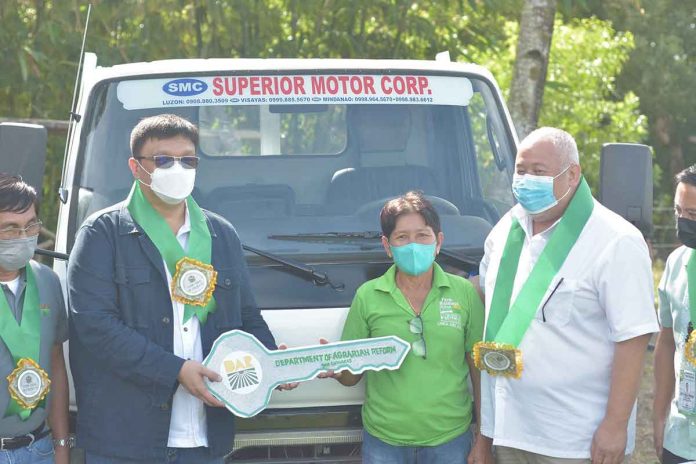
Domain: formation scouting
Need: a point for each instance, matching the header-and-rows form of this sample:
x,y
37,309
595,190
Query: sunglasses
x,y
415,325
166,161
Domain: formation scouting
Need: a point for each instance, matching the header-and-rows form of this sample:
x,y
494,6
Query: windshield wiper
x,y
466,260
329,236
319,278
51,254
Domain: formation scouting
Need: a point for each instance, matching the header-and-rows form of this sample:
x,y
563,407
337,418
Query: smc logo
x,y
185,87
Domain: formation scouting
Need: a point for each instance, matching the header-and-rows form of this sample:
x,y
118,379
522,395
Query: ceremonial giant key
x,y
250,371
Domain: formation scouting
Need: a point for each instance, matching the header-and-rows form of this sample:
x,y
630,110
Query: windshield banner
x,y
295,90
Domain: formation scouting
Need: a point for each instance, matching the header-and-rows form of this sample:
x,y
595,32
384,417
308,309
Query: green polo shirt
x,y
427,401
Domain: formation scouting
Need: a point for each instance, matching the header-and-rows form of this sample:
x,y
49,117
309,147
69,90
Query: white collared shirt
x,y
187,428
12,285
605,297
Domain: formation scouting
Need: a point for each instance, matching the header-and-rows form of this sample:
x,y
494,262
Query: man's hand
x,y
658,437
663,375
286,386
609,442
482,451
191,377
61,454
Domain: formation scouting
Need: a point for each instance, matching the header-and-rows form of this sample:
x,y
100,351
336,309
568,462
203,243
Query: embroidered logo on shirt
x,y
450,313
45,310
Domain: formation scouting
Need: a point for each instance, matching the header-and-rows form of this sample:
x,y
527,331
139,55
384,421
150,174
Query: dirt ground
x,y
644,453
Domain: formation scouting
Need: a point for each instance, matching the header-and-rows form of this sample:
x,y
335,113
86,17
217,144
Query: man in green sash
x,y
33,327
153,282
674,409
569,308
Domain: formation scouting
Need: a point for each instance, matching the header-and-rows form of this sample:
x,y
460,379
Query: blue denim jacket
x,y
121,335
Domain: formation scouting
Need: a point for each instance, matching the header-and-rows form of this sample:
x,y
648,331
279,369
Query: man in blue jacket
x,y
153,281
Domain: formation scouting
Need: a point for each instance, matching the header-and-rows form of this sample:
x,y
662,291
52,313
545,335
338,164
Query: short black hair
x,y
687,176
16,196
410,202
162,126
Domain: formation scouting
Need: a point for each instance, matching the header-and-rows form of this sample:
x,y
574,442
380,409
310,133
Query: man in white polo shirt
x,y
569,308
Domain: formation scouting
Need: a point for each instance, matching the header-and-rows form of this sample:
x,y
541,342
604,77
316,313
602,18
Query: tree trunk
x,y
531,63
664,132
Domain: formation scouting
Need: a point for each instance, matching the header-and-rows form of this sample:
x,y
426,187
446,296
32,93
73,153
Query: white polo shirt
x,y
187,427
605,297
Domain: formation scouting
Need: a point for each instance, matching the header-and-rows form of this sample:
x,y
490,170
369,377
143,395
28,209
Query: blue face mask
x,y
414,258
535,193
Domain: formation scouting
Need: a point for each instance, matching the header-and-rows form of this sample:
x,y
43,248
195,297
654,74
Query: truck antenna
x,y
74,117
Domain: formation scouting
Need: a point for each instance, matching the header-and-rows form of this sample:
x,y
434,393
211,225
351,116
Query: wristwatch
x,y
69,442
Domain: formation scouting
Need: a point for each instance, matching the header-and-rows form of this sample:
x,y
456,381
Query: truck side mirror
x,y
626,184
23,152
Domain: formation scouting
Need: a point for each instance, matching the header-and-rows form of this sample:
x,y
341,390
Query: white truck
x,y
300,156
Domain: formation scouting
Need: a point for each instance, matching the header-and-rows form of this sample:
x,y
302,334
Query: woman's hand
x,y
346,378
330,374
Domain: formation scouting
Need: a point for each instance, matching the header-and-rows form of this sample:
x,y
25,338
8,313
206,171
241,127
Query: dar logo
x,y
242,372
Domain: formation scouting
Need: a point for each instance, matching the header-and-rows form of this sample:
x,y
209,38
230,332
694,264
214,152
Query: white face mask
x,y
172,185
16,253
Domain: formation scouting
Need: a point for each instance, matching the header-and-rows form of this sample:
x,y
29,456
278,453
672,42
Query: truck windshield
x,y
301,165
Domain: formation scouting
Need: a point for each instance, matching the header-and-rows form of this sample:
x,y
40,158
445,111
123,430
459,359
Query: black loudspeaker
x,y
23,152
626,183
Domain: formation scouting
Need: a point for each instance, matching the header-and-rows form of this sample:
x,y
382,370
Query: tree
x,y
529,75
40,41
586,56
662,71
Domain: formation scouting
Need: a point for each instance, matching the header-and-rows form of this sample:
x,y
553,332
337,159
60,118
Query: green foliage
x,y
580,95
662,70
40,41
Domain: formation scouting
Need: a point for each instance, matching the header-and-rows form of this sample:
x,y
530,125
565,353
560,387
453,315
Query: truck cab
x,y
300,156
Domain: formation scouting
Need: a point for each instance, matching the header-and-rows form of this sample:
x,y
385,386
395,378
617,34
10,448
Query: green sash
x,y
691,284
690,347
22,339
157,229
508,324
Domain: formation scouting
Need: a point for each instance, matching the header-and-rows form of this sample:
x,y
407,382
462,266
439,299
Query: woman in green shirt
x,y
420,413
